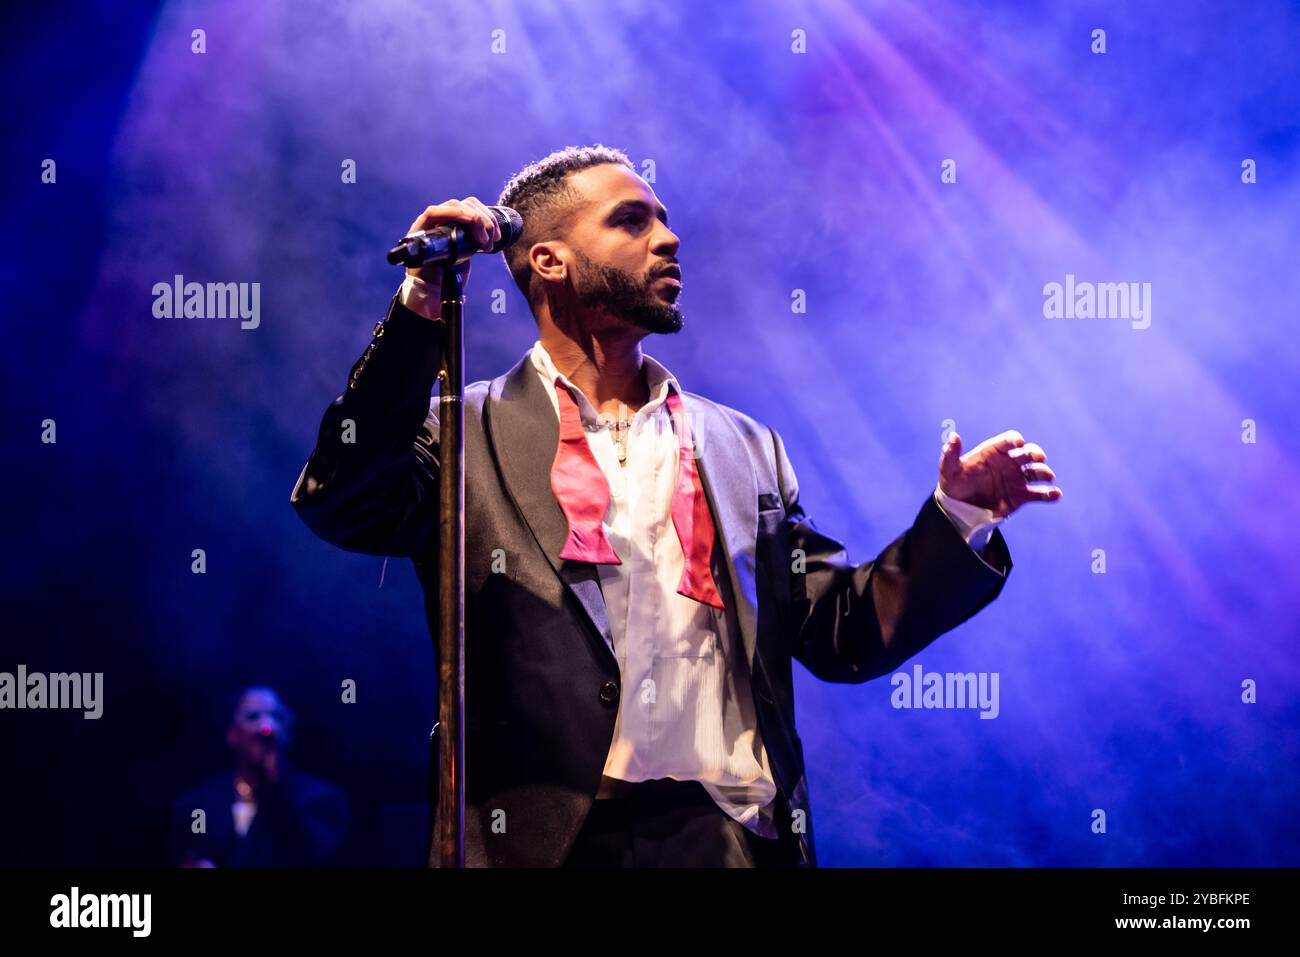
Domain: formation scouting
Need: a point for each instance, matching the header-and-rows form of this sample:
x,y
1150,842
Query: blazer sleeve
x,y
371,483
854,622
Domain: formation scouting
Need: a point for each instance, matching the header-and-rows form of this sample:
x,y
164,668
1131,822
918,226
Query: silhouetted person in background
x,y
267,813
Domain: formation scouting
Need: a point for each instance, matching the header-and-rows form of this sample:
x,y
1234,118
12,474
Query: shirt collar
x,y
658,379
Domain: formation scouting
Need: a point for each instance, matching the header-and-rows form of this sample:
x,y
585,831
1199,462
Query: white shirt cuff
x,y
974,523
421,297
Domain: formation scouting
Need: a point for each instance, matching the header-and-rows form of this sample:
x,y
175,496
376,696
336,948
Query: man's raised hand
x,y
469,211
998,474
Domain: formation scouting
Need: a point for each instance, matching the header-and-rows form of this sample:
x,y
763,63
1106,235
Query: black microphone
x,y
454,242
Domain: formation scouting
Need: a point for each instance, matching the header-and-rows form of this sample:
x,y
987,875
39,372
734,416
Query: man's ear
x,y
549,260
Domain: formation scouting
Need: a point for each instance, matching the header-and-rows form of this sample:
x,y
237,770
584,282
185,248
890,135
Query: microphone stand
x,y
447,843
447,827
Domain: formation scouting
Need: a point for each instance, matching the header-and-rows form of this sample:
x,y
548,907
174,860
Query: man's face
x,y
626,256
258,726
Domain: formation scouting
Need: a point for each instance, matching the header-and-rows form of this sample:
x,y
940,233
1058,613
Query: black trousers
x,y
670,823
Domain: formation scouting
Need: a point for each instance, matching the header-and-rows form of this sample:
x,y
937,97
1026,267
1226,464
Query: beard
x,y
629,297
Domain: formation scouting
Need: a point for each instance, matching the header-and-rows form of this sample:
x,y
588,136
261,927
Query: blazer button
x,y
608,693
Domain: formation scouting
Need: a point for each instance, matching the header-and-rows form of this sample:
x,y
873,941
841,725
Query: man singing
x,y
639,571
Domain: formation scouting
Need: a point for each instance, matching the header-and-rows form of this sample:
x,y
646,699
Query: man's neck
x,y
610,372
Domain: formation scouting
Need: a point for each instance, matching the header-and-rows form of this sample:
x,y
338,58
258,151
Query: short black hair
x,y
540,195
237,698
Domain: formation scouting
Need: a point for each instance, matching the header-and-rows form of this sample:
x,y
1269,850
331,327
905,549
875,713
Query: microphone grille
x,y
510,223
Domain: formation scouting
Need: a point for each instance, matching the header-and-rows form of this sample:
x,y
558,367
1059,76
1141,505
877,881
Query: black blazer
x,y
541,680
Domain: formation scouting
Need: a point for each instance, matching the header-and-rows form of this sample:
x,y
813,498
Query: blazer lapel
x,y
524,432
729,484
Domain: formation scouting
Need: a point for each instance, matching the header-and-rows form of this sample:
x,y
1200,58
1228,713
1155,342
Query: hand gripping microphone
x,y
454,242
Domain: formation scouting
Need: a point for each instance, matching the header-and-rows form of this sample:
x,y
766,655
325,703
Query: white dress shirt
x,y
687,708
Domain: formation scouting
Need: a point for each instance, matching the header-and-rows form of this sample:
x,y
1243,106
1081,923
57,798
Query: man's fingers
x,y
469,211
452,210
1011,439
479,219
489,233
1037,493
1029,452
494,228
950,453
1038,473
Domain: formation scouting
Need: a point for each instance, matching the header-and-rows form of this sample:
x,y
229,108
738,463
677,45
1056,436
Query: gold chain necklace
x,y
620,443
